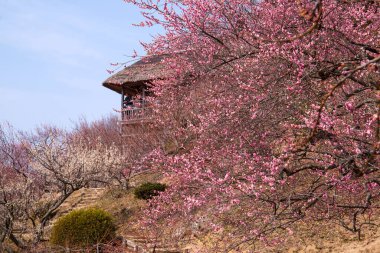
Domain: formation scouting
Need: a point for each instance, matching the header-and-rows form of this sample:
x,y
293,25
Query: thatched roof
x,y
136,75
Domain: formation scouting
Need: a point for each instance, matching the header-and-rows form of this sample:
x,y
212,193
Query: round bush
x,y
84,227
149,190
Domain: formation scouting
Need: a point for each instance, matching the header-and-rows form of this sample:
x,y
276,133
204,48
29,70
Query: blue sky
x,y
54,55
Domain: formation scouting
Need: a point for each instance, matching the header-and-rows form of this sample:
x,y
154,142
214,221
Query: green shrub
x,y
149,190
82,228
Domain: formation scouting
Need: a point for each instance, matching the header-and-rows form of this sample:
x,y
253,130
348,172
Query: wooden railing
x,y
130,115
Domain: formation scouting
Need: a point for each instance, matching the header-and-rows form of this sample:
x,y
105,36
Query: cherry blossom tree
x,y
68,164
274,106
132,149
105,131
19,189
39,171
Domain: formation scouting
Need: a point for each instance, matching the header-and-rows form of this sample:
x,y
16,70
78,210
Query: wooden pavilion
x,y
132,83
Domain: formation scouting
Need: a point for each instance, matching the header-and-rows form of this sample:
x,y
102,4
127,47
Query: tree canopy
x,y
274,108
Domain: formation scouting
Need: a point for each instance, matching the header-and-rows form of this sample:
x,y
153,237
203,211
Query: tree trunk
x,y
48,215
20,244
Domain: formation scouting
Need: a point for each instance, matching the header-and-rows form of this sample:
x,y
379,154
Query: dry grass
x,y
307,238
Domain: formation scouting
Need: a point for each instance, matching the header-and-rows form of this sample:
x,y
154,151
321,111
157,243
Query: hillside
x,y
127,210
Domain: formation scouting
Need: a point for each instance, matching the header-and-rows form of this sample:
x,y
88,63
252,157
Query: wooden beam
x,y
122,97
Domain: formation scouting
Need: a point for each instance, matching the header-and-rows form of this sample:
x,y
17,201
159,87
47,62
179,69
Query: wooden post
x,y
122,96
143,98
122,102
122,113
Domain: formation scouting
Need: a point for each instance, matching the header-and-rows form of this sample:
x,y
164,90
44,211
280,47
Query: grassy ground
x,y
307,238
